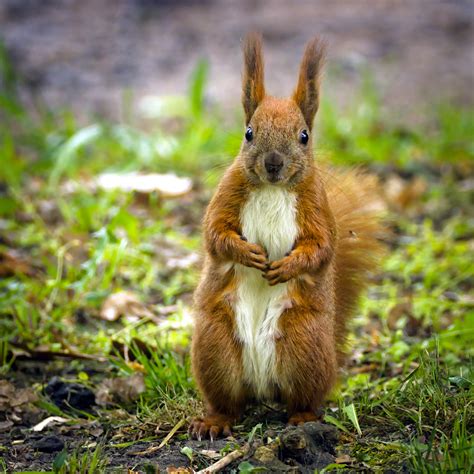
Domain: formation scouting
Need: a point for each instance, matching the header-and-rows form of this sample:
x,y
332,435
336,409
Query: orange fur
x,y
325,270
306,94
253,89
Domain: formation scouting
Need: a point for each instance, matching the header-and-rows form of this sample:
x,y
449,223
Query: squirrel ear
x,y
253,89
307,94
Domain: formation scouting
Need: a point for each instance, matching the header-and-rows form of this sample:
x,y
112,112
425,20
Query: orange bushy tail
x,y
354,200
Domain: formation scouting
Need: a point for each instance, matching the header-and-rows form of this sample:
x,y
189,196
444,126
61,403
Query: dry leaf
x,y
402,194
167,185
23,396
120,390
10,397
47,421
124,303
6,388
5,425
344,459
211,454
12,404
404,309
11,263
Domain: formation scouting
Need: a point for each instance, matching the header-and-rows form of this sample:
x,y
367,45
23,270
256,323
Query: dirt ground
x,y
85,53
128,443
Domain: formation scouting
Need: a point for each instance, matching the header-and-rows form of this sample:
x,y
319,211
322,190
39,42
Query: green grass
x,y
88,462
412,407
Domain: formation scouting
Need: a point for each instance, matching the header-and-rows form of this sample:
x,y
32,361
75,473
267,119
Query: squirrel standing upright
x,y
287,255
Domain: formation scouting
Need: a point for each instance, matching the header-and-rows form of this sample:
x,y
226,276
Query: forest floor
x,y
96,287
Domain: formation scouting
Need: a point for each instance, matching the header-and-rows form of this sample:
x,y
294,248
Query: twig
x,y
172,432
48,355
152,449
225,461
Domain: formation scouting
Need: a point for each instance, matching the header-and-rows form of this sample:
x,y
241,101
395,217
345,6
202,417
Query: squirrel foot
x,y
211,426
300,417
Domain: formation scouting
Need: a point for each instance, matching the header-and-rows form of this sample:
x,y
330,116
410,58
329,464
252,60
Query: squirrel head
x,y
277,146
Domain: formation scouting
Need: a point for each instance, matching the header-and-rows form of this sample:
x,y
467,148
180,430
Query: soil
x,y
276,447
86,53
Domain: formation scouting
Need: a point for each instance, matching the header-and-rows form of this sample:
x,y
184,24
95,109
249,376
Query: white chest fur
x,y
269,219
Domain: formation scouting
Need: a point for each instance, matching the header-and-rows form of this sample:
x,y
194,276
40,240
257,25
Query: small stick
x,y
225,461
48,355
172,432
167,438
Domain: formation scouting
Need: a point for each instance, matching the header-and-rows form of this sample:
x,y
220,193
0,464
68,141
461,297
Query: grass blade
x,y
352,415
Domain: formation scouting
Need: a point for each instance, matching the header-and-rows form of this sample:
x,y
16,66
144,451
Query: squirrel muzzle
x,y
273,163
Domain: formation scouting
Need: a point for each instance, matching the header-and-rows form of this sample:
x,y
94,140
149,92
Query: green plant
x,y
80,462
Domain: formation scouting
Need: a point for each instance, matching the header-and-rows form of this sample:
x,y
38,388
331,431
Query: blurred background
x,y
117,119
84,54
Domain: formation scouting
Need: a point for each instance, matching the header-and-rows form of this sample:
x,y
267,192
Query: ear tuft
x,y
253,89
307,93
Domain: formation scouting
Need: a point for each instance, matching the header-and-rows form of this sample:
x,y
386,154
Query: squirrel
x,y
288,253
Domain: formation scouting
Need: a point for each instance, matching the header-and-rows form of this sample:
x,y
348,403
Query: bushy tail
x,y
354,199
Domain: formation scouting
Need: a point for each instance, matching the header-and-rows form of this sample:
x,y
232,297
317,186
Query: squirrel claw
x,y
279,271
276,276
254,256
210,427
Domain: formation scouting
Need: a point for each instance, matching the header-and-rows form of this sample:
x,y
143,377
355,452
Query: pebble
x,y
49,444
66,394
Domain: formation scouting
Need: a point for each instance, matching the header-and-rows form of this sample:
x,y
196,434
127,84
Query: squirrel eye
x,y
249,134
304,137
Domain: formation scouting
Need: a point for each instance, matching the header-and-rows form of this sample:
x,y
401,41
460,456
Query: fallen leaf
x,y
136,366
210,454
6,388
10,397
47,421
167,185
364,369
182,262
5,425
412,326
344,459
120,389
175,257
178,470
23,396
403,194
11,263
124,303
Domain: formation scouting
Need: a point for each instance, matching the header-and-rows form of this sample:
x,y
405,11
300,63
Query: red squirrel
x,y
288,252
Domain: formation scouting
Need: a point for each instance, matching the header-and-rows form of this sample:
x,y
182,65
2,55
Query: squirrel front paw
x,y
251,255
280,271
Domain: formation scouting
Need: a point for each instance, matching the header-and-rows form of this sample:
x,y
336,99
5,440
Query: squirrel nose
x,y
273,163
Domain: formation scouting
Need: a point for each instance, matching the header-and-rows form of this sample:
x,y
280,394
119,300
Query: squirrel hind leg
x,y
299,417
211,426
